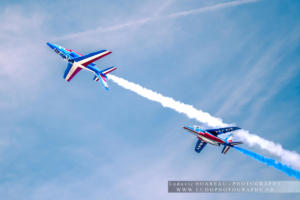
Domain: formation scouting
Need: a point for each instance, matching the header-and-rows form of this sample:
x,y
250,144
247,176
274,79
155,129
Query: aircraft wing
x,y
71,71
222,130
200,145
91,57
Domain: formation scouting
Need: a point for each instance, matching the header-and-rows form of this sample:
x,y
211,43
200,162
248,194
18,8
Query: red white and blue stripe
x,y
77,61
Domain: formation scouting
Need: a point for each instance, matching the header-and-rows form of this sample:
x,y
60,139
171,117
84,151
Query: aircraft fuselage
x,y
205,136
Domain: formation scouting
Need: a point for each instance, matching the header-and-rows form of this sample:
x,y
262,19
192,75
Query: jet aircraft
x,y
77,61
211,136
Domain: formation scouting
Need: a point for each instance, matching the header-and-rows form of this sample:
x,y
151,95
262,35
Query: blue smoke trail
x,y
270,162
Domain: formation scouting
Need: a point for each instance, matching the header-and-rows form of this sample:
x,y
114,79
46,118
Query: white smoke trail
x,y
210,8
288,157
155,18
168,102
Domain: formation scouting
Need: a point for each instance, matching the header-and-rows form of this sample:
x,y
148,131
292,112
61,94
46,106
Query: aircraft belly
x,y
83,67
205,139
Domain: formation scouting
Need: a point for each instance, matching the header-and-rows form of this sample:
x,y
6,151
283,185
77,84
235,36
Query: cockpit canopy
x,y
198,128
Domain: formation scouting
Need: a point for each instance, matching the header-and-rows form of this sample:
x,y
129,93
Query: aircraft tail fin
x,y
101,75
229,143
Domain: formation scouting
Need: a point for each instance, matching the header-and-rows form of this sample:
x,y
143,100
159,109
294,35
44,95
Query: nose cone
x,y
188,127
52,46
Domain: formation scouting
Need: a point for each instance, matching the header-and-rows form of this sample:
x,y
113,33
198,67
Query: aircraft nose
x,y
52,46
188,127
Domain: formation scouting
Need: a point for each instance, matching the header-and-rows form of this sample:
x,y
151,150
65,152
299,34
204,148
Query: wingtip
x,y
50,45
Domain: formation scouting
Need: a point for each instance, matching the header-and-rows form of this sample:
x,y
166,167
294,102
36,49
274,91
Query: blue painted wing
x,y
200,145
91,57
71,71
222,130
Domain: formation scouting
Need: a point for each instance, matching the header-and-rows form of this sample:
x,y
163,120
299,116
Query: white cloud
x,y
21,62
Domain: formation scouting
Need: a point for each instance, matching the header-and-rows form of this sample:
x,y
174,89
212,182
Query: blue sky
x,y
74,140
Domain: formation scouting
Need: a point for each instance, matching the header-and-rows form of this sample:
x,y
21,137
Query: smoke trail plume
x,y
287,157
290,158
270,162
156,18
168,102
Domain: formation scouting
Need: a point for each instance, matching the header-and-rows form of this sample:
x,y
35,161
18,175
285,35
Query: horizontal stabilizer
x,y
96,78
225,149
228,145
108,70
236,143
